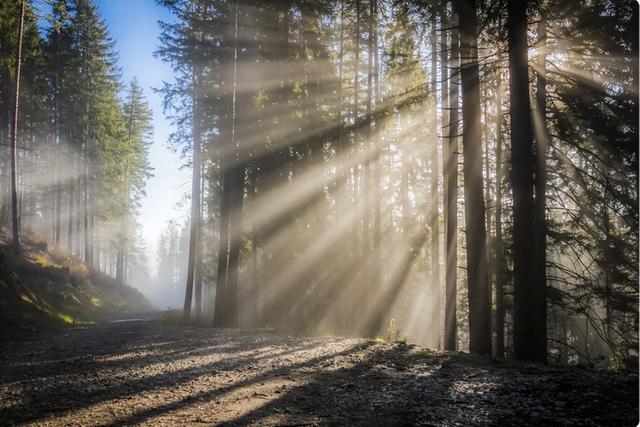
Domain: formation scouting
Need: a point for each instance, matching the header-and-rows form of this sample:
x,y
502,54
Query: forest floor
x,y
145,371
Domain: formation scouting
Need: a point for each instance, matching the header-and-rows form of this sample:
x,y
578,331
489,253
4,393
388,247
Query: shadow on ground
x,y
146,372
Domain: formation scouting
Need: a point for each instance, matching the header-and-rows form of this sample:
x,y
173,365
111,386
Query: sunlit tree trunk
x,y
353,241
194,232
451,191
444,90
223,253
366,247
15,224
195,201
226,293
86,224
57,143
498,264
341,174
86,158
70,212
487,184
79,229
255,278
479,292
541,138
377,282
5,140
529,326
197,267
245,25
356,141
435,218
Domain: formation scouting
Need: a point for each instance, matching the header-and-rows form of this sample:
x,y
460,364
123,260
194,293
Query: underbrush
x,y
45,288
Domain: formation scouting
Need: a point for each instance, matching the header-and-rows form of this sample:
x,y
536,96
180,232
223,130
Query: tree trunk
x,y
195,204
479,293
541,139
88,250
498,252
451,191
444,90
377,282
197,267
226,292
529,325
15,222
194,232
71,221
435,220
368,143
341,174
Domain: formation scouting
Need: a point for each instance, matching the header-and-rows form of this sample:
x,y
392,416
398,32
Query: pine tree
x,y
477,274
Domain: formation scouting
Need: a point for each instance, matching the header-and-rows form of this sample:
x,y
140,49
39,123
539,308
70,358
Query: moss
x,y
66,318
47,289
25,298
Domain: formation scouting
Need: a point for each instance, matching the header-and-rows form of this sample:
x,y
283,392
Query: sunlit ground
x,y
151,373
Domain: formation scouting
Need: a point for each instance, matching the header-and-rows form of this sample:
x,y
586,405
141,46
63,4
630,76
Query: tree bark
x,y
477,278
541,139
377,282
498,251
435,220
529,324
194,231
15,221
451,191
195,193
444,90
225,313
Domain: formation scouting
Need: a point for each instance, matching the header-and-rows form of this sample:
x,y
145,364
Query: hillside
x,y
45,288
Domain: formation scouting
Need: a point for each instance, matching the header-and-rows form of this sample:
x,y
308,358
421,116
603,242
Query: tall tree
x,y
529,323
451,192
477,274
435,215
226,303
498,249
194,234
540,182
15,224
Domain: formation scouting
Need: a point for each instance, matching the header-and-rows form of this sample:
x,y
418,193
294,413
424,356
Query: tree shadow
x,y
307,381
59,385
398,386
284,370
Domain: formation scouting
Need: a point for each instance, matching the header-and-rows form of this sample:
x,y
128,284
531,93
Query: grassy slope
x,y
45,288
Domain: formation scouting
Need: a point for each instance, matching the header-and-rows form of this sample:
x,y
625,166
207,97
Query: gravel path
x,y
141,371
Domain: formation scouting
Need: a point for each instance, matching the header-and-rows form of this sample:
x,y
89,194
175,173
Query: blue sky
x,y
133,24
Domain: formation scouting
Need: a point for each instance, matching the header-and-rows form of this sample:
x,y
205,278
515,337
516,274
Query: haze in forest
x,y
462,175
135,35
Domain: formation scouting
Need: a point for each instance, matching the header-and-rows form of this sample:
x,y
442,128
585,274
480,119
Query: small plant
x,y
378,340
390,329
41,260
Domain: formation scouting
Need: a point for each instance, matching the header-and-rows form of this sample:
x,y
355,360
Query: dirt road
x,y
146,372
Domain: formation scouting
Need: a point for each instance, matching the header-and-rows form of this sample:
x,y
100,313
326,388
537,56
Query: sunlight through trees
x,y
466,171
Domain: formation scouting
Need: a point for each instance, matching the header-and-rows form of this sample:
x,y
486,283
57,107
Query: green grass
x,y
175,318
49,290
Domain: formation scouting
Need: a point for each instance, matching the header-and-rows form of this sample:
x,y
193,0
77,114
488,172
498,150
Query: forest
x,y
432,177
